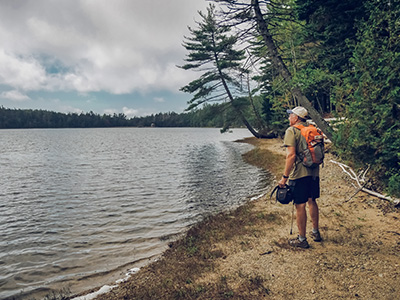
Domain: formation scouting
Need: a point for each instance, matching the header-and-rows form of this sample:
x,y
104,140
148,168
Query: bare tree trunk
x,y
256,113
284,72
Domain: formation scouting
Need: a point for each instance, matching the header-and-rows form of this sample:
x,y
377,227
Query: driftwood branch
x,y
361,182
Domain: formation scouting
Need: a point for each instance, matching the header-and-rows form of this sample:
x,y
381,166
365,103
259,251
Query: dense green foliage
x,y
355,63
371,133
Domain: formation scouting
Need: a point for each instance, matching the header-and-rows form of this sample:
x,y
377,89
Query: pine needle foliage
x,y
212,51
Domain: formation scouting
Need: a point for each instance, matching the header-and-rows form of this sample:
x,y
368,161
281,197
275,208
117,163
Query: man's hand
x,y
282,182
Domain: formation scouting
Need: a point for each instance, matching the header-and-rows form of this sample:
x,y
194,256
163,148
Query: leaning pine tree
x,y
212,51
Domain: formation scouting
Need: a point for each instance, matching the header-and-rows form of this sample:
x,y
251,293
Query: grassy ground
x,y
244,254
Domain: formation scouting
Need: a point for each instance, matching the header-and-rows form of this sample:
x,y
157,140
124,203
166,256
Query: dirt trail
x,y
358,258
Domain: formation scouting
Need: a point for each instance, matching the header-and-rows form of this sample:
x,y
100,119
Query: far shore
x,y
244,254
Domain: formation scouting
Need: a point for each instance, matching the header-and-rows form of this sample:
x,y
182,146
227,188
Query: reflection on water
x,y
75,203
222,183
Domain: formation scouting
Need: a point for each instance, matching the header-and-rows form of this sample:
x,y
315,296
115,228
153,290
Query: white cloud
x,y
70,109
54,36
130,112
14,96
21,73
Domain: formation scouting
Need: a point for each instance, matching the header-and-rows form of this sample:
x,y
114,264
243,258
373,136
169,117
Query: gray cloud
x,y
94,45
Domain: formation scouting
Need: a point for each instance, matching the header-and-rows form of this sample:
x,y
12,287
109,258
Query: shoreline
x,y
95,291
136,209
244,253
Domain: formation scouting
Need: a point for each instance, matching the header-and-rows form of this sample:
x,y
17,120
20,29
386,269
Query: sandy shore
x,y
244,254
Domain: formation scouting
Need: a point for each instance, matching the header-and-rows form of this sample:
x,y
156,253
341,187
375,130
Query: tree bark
x,y
261,126
284,72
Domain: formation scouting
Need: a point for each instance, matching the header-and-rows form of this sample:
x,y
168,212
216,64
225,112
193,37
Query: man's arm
x,y
290,159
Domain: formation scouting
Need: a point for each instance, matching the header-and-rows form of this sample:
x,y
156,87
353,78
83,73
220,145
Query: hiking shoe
x,y
296,243
316,236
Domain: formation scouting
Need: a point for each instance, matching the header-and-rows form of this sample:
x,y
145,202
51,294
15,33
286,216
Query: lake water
x,y
78,207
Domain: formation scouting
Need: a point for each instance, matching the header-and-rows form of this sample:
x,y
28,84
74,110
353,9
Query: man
x,y
304,181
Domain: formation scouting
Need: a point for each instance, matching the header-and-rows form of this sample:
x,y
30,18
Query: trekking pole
x,y
291,226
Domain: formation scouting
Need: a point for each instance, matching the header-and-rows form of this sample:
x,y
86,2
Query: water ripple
x,y
80,203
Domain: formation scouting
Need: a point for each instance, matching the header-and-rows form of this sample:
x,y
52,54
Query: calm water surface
x,y
80,205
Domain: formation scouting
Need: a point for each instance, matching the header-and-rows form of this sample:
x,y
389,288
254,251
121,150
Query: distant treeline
x,y
208,116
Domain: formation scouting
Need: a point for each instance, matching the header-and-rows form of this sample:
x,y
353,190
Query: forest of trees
x,y
207,116
337,58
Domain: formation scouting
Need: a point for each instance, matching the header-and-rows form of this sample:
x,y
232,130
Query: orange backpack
x,y
312,146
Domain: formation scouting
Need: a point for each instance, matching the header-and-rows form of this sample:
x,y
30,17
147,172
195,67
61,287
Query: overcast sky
x,y
105,56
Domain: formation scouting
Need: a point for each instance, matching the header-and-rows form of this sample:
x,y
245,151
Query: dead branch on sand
x,y
361,182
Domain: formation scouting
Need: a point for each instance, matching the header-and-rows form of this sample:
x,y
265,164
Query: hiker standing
x,y
303,180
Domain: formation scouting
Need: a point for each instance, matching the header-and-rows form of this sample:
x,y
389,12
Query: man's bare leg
x,y
314,213
301,219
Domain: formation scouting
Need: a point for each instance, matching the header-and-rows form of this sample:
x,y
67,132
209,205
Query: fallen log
x,y
361,182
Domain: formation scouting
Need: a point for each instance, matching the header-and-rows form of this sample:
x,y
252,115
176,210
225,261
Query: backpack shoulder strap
x,y
298,126
301,126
